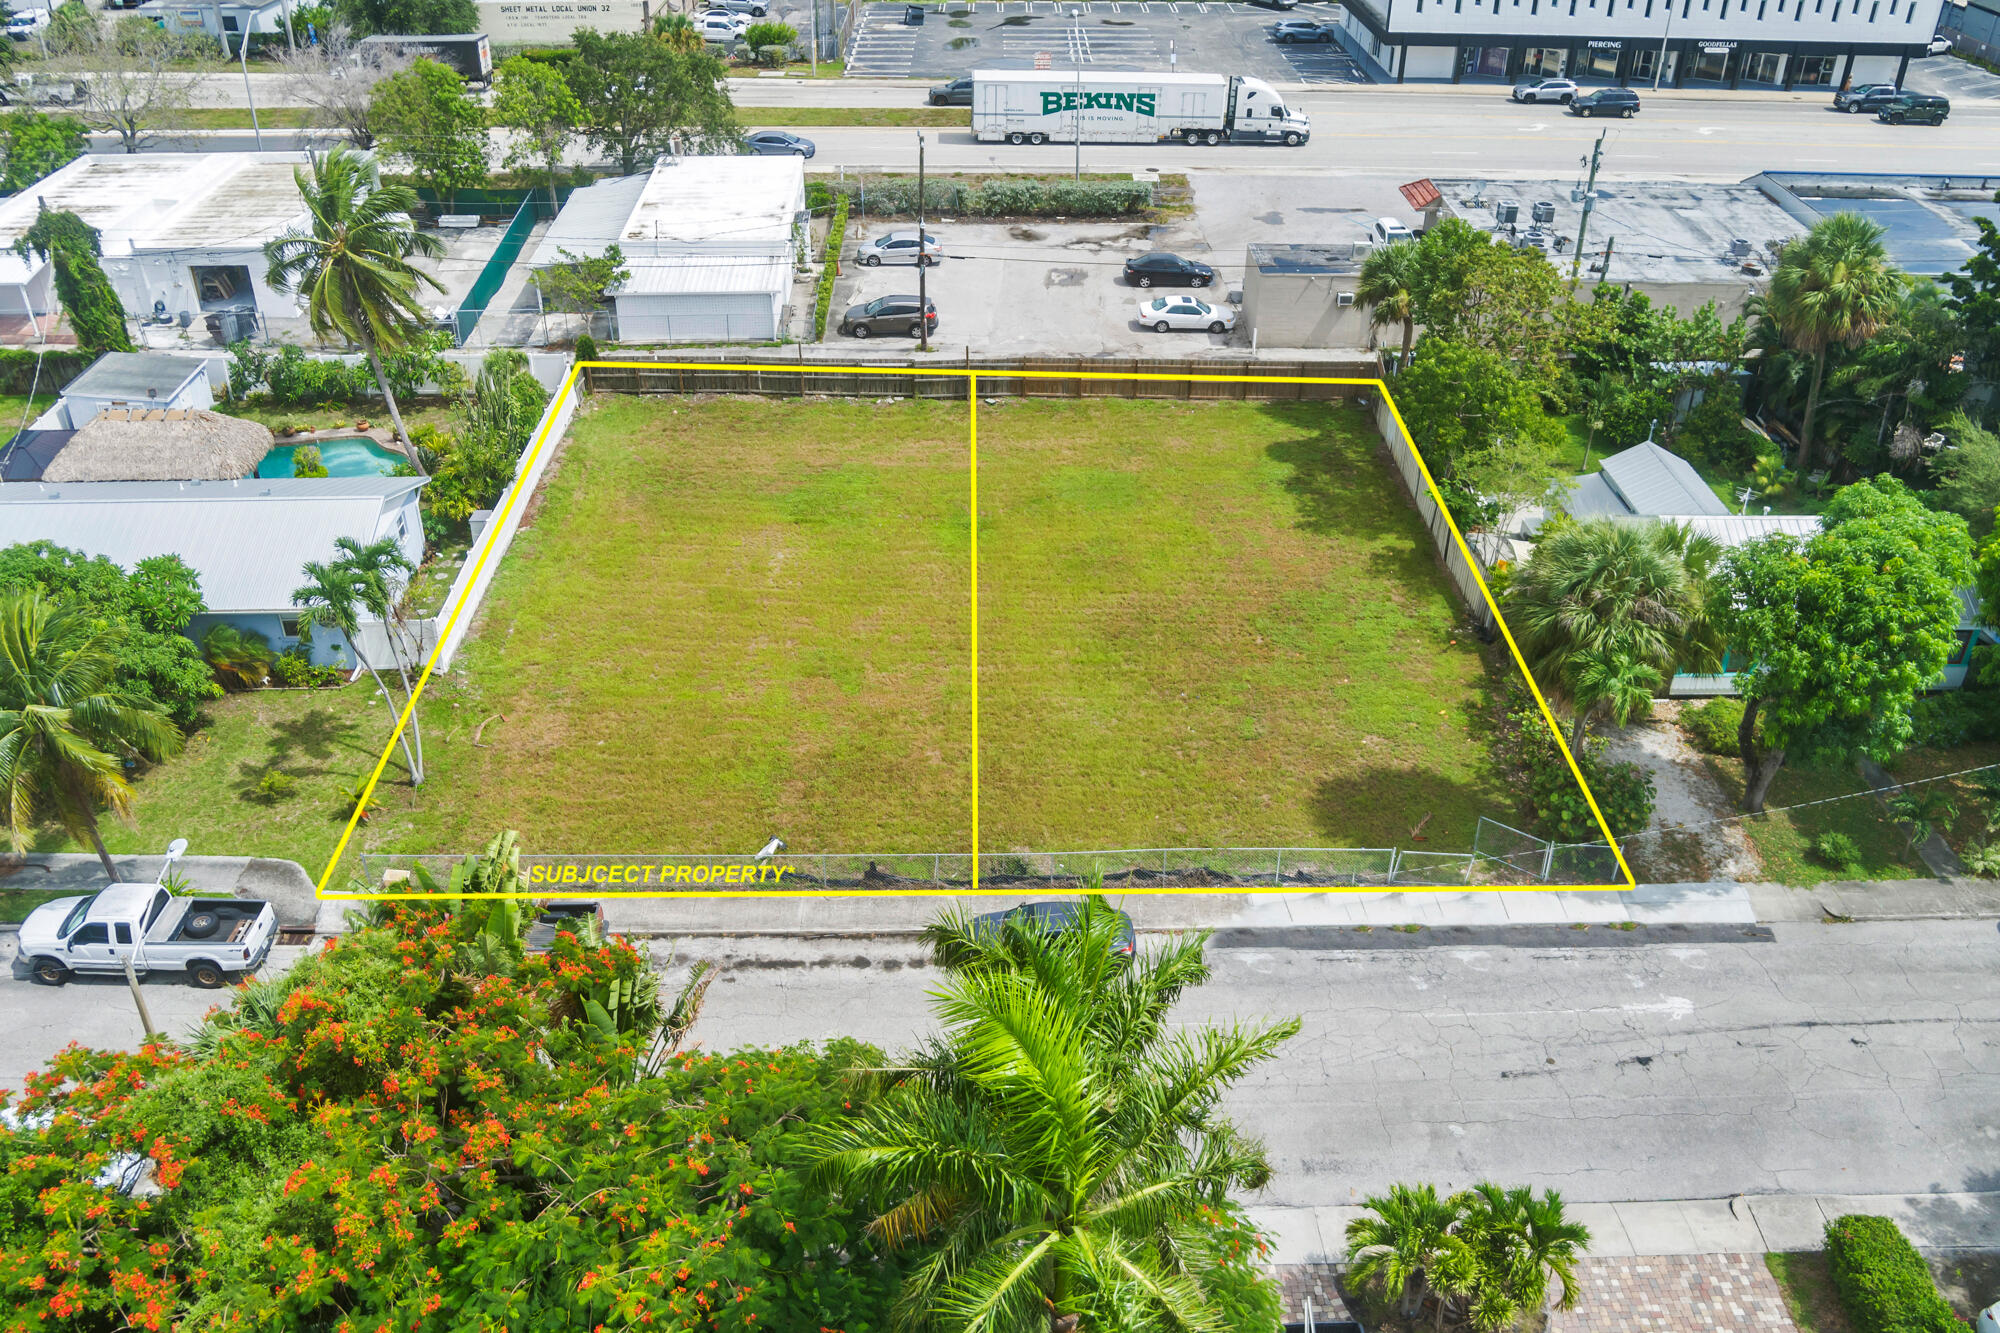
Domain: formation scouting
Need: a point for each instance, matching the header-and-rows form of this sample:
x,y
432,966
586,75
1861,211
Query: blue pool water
x,y
355,457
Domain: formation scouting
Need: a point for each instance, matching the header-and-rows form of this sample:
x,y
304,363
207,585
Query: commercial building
x,y
1303,295
1676,43
222,21
710,244
182,233
1974,27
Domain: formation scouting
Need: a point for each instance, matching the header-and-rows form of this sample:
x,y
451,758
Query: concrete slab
x,y
1719,1227
1607,1229
1657,1228
1333,1222
1788,1221
1591,907
1294,1234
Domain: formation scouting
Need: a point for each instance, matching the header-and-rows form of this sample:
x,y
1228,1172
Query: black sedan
x,y
1161,269
888,314
1051,918
956,93
1302,30
777,143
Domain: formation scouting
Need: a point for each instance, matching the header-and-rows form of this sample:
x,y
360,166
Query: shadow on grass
x,y
309,747
1397,805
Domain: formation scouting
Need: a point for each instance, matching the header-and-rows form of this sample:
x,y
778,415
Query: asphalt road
x,y
1849,1059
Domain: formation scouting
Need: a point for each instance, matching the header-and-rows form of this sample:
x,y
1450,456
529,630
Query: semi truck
x,y
467,52
1052,106
210,939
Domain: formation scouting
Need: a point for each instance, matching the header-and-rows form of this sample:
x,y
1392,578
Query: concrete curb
x,y
1741,1224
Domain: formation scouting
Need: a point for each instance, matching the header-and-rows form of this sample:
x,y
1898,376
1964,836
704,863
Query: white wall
x,y
1833,21
168,275
36,295
1429,62
193,398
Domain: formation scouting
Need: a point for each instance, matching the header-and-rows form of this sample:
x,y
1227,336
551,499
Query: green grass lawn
x,y
1784,837
1810,1295
16,411
1213,624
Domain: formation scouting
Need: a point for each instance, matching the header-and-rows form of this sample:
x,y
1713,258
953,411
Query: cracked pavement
x,y
1854,1059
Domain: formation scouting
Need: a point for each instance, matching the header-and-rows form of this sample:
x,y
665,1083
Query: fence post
x,y
1278,875
1395,859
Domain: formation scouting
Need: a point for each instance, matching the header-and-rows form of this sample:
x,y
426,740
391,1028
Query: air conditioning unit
x,y
1344,299
1544,210
1507,212
1739,248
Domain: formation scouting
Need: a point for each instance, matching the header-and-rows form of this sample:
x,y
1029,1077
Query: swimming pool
x,y
355,456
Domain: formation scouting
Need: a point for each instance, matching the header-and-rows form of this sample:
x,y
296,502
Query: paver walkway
x,y
1685,1293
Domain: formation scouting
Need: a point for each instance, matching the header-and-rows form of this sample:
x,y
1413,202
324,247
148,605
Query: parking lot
x,y
1195,35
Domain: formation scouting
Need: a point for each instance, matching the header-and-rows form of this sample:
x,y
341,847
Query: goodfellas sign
x,y
1139,103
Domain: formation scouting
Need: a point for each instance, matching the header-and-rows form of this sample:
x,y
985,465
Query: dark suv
x,y
1865,97
1914,109
1607,102
956,93
888,314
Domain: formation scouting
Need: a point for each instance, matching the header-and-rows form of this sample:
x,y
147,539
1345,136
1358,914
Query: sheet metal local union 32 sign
x,y
512,21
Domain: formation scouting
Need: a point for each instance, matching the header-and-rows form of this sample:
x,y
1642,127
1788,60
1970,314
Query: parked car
x,y
1386,230
33,90
1939,45
1276,4
900,247
27,23
717,26
1915,109
1545,90
581,917
888,314
754,8
1160,269
210,939
1865,97
1051,918
1607,102
1302,30
777,143
956,93
913,16
1165,313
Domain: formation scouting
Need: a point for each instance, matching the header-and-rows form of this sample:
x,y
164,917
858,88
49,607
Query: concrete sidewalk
x,y
1746,1224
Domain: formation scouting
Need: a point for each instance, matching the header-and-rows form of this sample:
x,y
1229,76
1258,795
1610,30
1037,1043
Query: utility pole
x,y
1661,68
923,257
132,980
248,94
815,40
1589,197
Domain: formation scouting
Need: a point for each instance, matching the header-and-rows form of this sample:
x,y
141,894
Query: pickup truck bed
x,y
233,918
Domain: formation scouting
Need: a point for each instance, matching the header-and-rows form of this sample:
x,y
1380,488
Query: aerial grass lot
x,y
1200,625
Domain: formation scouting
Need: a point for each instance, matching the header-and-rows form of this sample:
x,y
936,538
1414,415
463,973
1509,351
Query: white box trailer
x,y
1055,106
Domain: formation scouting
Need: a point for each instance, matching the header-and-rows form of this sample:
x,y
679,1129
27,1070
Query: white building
x,y
224,21
1730,43
124,381
182,234
709,242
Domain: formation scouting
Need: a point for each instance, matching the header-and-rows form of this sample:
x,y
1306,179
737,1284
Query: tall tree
x,y
532,98
33,144
1605,612
1060,1146
1975,298
337,76
642,97
1839,633
64,723
380,573
96,315
331,598
1389,276
678,31
1832,287
424,116
353,270
131,83
421,18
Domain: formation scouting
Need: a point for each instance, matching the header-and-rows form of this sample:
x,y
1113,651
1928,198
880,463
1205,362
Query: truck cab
x,y
154,929
1258,114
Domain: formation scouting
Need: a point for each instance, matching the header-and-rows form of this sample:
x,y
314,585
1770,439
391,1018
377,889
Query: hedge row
x,y
836,231
1011,196
17,370
1884,1283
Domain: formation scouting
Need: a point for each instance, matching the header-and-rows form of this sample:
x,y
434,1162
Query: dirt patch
x,y
1027,234
1969,1279
1684,842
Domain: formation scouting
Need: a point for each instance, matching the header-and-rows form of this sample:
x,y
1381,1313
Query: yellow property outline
x,y
499,520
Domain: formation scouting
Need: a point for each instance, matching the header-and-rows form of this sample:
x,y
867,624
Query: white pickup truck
x,y
210,939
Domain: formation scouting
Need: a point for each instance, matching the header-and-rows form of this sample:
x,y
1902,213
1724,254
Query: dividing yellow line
x,y
972,386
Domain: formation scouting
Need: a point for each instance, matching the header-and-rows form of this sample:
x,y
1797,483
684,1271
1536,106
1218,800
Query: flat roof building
x,y
1727,43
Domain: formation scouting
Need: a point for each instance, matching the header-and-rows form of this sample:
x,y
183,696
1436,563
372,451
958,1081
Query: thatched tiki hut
x,y
161,446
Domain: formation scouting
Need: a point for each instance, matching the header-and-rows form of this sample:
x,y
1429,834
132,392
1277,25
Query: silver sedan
x,y
1163,313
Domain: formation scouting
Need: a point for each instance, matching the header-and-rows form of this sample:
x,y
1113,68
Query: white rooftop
x,y
168,201
685,205
246,539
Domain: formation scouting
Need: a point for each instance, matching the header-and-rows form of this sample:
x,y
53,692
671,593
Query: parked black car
x,y
1607,102
1161,269
956,93
1915,109
777,143
1276,4
888,314
1866,97
1302,30
913,15
1051,918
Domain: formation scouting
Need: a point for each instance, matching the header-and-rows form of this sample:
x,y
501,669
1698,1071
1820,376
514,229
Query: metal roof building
x,y
1642,481
709,242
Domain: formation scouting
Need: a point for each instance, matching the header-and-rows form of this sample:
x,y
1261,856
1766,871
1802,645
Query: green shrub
x,y
241,657
1956,717
586,348
1713,726
1884,1283
306,462
294,668
836,232
275,786
1837,851
1624,791
1007,196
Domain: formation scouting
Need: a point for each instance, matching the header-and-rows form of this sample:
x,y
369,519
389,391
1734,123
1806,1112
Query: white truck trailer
x,y
1054,106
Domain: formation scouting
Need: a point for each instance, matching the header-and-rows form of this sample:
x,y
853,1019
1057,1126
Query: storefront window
x,y
1710,64
1764,67
1487,61
1546,62
1814,70
1603,62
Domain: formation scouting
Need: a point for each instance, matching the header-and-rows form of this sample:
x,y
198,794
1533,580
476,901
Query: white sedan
x,y
1184,312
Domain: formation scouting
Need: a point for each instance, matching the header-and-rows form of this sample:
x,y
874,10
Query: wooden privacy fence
x,y
998,378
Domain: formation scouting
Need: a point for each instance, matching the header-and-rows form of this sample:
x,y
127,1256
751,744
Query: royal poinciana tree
x,y
352,266
1836,635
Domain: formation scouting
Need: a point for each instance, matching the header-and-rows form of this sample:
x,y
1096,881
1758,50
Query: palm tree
x,y
62,717
1833,287
331,598
1613,684
678,31
1388,277
1057,1146
380,572
1600,604
353,267
1403,1247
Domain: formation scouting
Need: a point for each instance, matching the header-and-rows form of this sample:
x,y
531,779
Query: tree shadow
x,y
317,744
1401,805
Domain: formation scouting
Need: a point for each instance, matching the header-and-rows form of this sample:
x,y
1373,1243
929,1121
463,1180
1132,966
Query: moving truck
x,y
1049,106
467,52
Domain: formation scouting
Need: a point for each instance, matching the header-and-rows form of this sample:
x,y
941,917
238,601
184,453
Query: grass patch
x,y
15,904
17,411
1577,446
238,118
1807,1282
758,117
1784,837
1201,625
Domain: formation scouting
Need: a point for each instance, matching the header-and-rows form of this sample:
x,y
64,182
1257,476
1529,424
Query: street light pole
x,y
248,95
1661,68
1076,54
